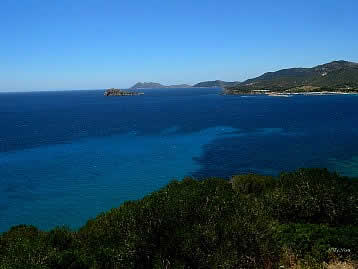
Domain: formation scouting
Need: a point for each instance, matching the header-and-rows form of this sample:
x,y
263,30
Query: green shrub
x,y
60,238
252,184
319,242
250,223
314,196
23,247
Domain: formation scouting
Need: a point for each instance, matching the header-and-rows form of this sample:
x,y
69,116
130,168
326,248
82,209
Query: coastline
x,y
309,93
286,94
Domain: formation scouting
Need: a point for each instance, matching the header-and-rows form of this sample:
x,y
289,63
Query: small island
x,y
118,92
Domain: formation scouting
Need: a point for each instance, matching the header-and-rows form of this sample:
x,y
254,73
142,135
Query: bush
x,y
314,196
251,223
319,242
23,247
252,184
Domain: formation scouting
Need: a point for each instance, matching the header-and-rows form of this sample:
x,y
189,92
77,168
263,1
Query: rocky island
x,y
118,92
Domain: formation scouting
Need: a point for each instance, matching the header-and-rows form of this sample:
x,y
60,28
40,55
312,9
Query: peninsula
x,y
338,77
118,92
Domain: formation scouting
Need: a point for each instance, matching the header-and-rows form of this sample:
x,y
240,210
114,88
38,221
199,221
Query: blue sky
x,y
98,44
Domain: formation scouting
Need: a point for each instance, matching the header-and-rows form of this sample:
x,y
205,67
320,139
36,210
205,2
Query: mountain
x,y
215,83
153,85
333,76
206,84
140,85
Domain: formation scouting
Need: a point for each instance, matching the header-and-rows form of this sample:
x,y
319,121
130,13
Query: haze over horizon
x,y
95,44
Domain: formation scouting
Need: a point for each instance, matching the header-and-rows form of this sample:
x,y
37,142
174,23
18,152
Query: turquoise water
x,y
67,156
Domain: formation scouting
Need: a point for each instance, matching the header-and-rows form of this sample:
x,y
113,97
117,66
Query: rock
x,y
118,92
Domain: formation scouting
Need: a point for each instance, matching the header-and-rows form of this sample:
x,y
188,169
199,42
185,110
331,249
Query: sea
x,y
67,156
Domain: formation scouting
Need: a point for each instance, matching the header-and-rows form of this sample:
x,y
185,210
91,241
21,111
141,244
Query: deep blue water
x,y
67,156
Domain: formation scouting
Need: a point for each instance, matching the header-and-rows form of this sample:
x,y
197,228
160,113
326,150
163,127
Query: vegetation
x,y
305,217
337,76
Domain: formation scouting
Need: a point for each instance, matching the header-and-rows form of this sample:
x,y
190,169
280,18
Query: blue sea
x,y
67,156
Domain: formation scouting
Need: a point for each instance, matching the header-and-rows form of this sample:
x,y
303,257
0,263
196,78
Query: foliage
x,y
23,247
319,241
252,221
315,196
253,184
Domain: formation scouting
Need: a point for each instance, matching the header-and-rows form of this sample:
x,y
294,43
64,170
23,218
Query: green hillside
x,y
334,76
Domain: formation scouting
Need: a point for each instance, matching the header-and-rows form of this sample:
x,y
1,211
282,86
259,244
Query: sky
x,y
96,44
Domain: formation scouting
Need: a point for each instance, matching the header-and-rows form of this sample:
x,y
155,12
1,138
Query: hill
x,y
334,76
154,85
215,83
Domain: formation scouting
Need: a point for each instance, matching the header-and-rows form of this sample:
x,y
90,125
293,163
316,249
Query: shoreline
x,y
289,94
309,93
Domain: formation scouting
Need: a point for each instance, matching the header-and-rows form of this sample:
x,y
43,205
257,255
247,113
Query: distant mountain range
x,y
153,85
334,76
206,84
